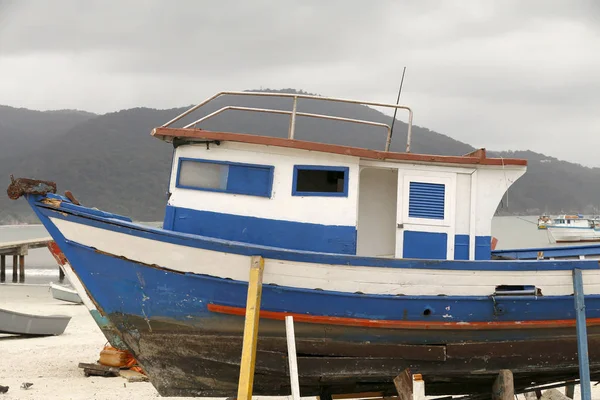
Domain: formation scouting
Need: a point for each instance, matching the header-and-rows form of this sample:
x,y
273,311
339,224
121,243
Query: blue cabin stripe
x,y
268,232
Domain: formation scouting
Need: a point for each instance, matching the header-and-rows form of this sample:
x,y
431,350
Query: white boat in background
x,y
544,221
574,228
64,293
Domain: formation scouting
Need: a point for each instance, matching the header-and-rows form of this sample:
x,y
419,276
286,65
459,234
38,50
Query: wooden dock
x,y
18,250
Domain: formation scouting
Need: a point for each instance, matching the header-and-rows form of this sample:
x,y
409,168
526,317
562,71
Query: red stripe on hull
x,y
393,324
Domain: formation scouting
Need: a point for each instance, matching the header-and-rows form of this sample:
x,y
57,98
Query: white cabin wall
x,y
376,229
492,184
282,205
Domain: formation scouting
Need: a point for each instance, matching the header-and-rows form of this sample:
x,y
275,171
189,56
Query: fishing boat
x,y
383,259
574,228
544,221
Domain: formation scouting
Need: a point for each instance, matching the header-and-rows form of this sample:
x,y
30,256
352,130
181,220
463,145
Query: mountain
x,y
24,131
111,161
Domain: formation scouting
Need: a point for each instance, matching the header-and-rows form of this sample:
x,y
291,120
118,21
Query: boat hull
x,y
182,318
29,324
65,294
569,235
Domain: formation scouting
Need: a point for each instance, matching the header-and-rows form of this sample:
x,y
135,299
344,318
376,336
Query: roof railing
x,y
294,112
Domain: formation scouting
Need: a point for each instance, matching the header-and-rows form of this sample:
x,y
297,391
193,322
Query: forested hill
x,y
111,162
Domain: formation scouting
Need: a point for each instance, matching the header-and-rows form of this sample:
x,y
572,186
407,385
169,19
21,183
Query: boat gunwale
x,y
346,260
476,157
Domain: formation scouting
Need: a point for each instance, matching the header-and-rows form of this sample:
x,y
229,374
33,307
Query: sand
x,y
51,363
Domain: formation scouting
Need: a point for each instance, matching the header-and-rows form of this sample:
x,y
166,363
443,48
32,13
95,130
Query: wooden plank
x,y
98,370
293,362
503,388
133,376
251,329
403,383
30,243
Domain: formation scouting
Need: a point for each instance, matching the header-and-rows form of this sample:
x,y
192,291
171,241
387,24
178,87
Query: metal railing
x,y
295,113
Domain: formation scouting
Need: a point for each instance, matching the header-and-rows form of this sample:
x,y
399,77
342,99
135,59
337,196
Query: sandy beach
x,y
51,363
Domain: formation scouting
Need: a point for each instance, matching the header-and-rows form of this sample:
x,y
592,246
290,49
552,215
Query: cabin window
x,y
426,200
224,176
318,180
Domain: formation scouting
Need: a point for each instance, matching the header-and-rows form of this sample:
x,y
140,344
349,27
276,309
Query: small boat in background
x,y
544,221
574,228
64,293
28,324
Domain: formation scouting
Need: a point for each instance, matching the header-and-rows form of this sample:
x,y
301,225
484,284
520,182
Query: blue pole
x,y
582,343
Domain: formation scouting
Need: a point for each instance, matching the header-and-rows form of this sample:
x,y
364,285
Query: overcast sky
x,y
497,74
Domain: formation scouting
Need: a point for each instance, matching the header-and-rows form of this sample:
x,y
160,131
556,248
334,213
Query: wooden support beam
x,y
570,390
15,274
503,388
251,329
409,386
2,268
582,340
403,383
292,361
21,268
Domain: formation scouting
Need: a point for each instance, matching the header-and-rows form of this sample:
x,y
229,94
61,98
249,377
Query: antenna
x,y
397,102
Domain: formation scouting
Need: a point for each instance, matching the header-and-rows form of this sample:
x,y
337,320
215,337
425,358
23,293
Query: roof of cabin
x,y
476,157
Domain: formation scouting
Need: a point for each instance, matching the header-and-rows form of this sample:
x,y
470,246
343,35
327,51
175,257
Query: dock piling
x,y
251,329
21,268
18,250
15,261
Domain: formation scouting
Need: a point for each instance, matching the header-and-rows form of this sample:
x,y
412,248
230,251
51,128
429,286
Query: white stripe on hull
x,y
350,279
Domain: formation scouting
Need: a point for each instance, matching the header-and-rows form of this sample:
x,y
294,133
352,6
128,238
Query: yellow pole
x,y
251,329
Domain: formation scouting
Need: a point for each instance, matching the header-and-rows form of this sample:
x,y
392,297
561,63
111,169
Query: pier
x,y
18,250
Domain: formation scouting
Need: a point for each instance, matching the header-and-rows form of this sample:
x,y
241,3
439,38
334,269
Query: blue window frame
x,y
225,177
320,180
426,200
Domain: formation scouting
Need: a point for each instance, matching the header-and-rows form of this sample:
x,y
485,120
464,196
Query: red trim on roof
x,y
477,157
394,324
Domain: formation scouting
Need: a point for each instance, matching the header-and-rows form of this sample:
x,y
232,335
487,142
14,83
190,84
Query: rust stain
x,y
22,186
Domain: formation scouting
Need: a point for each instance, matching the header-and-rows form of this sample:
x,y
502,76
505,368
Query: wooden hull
x,y
195,362
177,302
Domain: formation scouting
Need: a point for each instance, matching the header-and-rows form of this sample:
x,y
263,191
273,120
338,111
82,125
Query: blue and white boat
x,y
383,258
574,228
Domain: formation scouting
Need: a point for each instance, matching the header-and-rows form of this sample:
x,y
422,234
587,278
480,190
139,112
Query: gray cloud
x,y
501,75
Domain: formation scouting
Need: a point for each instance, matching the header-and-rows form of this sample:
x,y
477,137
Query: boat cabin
x,y
328,198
